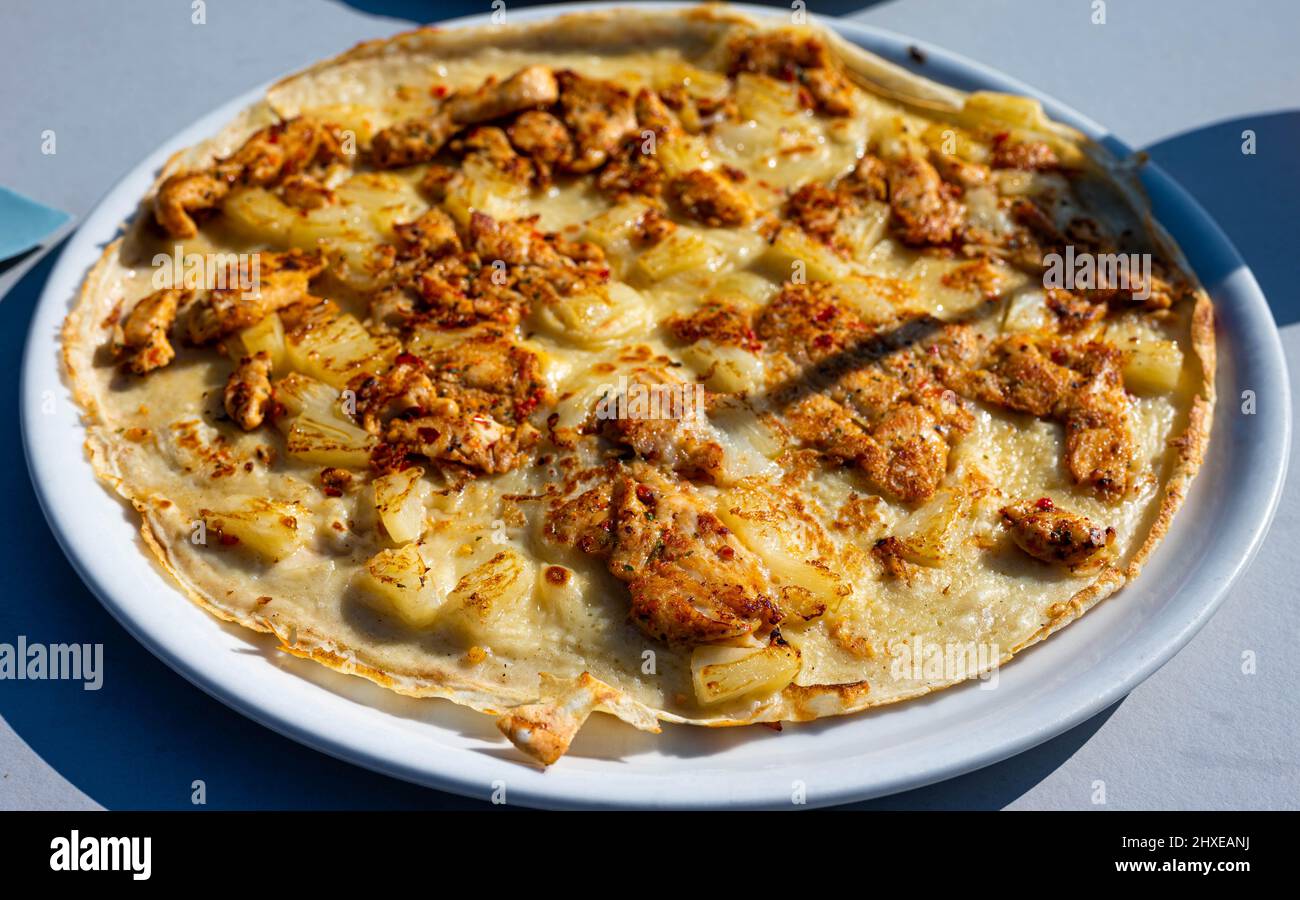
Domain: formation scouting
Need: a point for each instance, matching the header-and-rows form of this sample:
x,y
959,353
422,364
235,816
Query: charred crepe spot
x,y
557,575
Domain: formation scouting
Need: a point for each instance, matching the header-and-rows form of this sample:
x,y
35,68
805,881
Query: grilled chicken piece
x,y
488,372
1027,155
669,425
691,581
1078,385
282,279
305,192
141,341
248,390
412,141
447,433
183,194
792,54
1055,535
585,521
484,373
404,388
491,144
421,139
923,207
807,323
600,115
711,198
432,234
269,157
532,87
652,114
904,454
716,321
543,137
286,148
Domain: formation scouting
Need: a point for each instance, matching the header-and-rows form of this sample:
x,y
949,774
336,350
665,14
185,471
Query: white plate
x,y
1049,689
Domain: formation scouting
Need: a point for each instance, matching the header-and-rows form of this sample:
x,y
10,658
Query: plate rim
x,y
466,773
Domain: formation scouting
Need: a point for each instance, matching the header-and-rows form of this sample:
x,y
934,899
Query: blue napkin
x,y
24,223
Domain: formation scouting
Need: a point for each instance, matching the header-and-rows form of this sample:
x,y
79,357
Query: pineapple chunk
x,y
490,606
328,442
941,533
338,350
682,154
1152,366
1023,111
272,529
302,395
398,581
726,369
399,501
724,673
613,229
682,251
950,140
480,187
793,256
595,319
766,100
258,215
797,553
267,335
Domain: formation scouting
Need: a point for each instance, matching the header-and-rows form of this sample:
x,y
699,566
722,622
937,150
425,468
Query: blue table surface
x,y
141,740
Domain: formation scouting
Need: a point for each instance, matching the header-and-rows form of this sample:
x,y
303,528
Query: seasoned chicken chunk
x,y
141,341
421,139
924,209
1054,535
269,157
412,141
447,433
1079,385
691,581
543,137
722,323
711,198
532,87
248,390
600,114
184,194
794,54
585,521
664,420
281,279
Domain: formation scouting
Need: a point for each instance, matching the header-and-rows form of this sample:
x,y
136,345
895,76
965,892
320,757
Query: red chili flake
x,y
823,340
228,540
439,90
332,492
726,551
1058,357
429,435
825,314
1045,504
644,494
407,359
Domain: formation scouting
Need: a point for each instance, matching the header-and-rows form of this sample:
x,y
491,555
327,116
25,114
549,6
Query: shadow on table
x,y
1254,198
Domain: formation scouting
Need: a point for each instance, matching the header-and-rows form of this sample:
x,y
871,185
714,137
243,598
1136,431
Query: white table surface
x,y
1180,78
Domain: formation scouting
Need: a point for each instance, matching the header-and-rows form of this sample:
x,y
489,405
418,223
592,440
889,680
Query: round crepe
x,y
157,441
